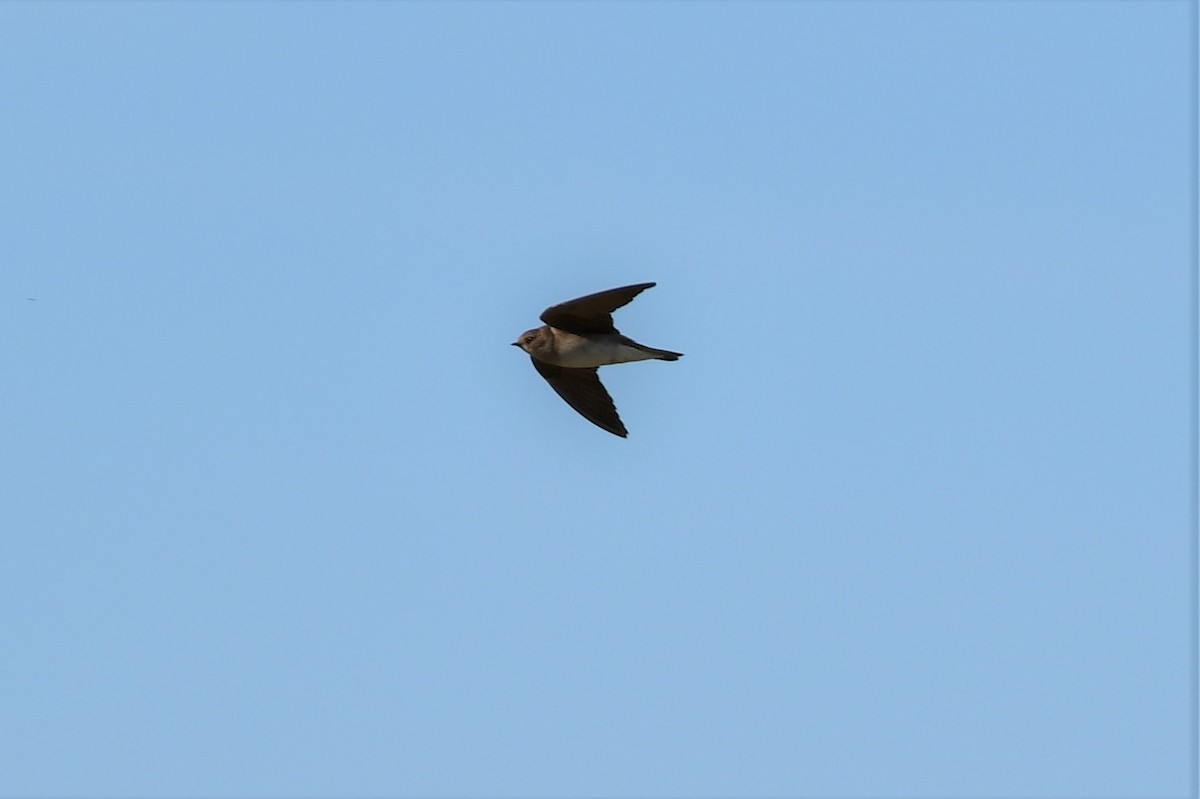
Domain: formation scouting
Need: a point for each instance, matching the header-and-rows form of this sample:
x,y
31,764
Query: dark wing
x,y
584,392
593,313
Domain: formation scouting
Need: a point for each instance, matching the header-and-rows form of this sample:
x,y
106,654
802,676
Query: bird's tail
x,y
664,355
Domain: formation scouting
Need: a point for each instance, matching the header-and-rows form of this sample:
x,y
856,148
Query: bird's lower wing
x,y
583,391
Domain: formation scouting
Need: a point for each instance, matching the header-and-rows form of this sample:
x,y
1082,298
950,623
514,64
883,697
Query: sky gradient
x,y
285,514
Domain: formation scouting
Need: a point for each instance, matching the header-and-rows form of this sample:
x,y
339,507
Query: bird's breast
x,y
585,352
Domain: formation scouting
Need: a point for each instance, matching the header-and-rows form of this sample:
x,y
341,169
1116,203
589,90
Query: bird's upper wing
x,y
584,392
593,313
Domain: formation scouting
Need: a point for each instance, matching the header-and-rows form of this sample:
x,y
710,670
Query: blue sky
x,y
285,514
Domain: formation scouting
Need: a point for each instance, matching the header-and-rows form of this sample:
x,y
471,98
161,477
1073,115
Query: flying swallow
x,y
576,340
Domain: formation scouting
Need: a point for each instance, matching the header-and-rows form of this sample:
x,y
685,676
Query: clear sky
x,y
284,513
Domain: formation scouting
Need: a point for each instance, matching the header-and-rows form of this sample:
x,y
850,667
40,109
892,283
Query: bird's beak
x,y
516,343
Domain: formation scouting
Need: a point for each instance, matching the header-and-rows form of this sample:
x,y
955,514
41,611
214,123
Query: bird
x,y
577,339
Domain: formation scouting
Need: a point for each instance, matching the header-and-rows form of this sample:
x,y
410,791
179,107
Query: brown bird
x,y
576,340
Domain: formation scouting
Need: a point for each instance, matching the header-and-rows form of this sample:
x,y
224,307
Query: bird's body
x,y
563,348
576,340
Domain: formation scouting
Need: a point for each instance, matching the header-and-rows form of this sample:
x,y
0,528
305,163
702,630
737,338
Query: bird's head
x,y
530,340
